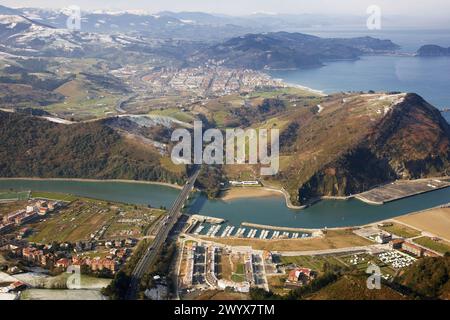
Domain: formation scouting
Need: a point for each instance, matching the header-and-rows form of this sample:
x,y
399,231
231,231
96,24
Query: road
x,y
123,101
153,250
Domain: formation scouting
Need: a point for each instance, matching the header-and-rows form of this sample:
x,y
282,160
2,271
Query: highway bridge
x,y
154,249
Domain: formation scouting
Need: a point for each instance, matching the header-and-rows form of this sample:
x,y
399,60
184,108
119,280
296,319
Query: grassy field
x,y
313,262
240,268
16,195
238,278
53,196
438,246
332,240
283,91
401,230
84,217
174,113
238,274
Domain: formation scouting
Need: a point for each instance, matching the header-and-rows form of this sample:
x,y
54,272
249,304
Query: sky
x,y
430,8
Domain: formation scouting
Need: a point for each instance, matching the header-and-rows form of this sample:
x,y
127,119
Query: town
x,y
207,81
99,251
218,256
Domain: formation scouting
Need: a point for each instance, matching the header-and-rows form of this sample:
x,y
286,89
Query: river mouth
x,y
265,211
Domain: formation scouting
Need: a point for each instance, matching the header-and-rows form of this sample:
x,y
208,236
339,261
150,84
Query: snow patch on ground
x,y
57,120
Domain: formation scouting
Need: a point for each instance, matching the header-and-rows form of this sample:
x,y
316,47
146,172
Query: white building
x,y
243,287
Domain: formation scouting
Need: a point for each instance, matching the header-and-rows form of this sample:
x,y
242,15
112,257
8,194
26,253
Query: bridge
x,y
153,250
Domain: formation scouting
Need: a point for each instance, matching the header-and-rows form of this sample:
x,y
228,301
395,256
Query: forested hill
x,y
34,147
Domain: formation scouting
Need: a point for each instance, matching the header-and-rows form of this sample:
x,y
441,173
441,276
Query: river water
x,y
268,211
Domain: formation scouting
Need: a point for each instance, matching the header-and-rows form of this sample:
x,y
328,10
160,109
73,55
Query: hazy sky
x,y
428,8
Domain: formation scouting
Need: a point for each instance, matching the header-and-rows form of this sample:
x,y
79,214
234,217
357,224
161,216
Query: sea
x,y
405,72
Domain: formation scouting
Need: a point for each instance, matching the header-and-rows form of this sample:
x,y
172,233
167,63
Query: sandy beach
x,y
250,192
257,192
435,221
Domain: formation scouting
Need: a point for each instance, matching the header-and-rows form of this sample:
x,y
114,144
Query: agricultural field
x,y
84,218
401,230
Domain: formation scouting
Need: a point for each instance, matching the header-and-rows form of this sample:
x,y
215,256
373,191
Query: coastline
x,y
165,184
299,86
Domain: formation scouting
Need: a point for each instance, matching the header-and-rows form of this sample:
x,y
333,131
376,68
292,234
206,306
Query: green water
x,y
269,211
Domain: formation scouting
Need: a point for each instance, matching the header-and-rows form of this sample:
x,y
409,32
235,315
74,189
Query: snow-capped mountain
x,y
186,26
24,36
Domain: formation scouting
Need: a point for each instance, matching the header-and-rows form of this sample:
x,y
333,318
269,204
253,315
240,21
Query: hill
x,y
34,147
433,51
354,287
283,50
360,141
429,278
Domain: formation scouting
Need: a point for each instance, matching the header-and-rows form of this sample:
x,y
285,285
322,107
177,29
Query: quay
x,y
402,189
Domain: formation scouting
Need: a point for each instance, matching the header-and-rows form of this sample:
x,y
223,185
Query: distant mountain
x,y
195,26
23,36
6,10
283,50
185,26
26,37
197,18
433,51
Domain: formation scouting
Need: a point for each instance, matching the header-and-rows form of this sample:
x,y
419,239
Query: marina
x,y
224,230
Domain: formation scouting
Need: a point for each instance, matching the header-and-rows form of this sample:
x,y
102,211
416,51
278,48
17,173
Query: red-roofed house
x,y
62,263
300,275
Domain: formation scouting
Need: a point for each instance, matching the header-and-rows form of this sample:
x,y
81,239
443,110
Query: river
x,y
267,211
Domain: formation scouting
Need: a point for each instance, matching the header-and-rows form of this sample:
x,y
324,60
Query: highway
x,y
153,250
